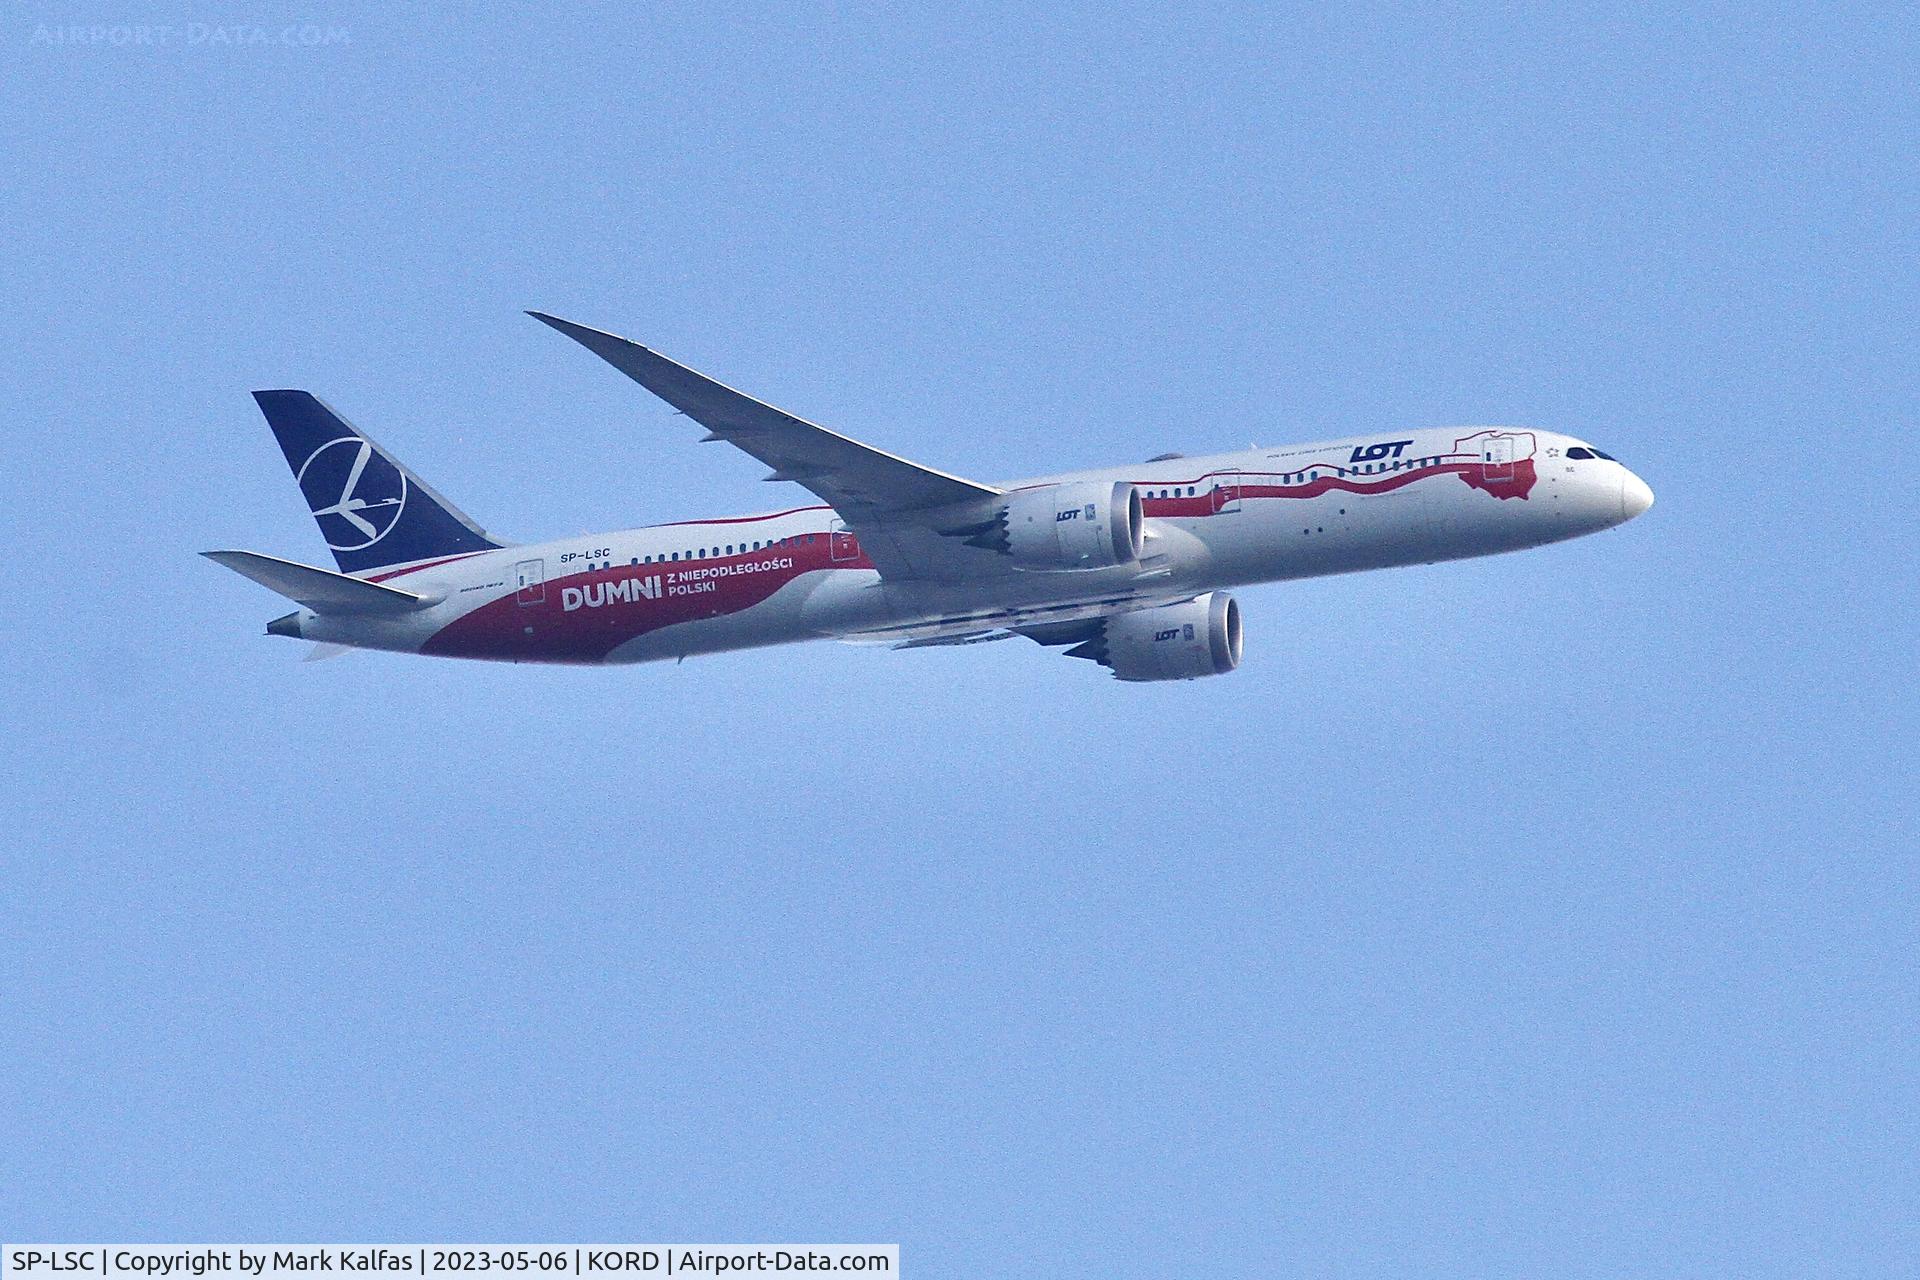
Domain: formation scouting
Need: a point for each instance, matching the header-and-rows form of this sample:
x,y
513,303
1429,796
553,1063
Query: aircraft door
x,y
1496,457
842,545
530,585
1227,491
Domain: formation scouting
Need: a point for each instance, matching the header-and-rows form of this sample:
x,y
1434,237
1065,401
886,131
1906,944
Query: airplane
x,y
1125,566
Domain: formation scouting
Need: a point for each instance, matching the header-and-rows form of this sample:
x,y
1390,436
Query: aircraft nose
x,y
1635,496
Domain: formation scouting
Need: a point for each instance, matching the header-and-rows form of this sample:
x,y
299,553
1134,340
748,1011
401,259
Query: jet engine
x,y
1092,524
1199,637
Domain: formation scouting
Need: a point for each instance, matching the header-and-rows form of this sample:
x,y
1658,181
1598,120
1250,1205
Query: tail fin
x,y
372,511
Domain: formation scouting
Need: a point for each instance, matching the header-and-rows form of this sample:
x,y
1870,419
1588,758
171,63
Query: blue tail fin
x,y
372,511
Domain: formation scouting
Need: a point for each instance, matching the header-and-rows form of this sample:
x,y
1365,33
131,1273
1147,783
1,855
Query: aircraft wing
x,y
887,501
1049,624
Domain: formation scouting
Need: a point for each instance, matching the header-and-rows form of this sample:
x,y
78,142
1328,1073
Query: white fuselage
x,y
1264,515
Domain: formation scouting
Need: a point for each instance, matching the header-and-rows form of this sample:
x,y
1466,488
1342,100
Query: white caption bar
x,y
470,1261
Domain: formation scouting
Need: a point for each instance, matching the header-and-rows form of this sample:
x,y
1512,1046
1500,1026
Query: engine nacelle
x,y
1185,641
1091,524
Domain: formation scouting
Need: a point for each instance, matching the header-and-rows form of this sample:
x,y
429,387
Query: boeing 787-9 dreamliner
x,y
1127,566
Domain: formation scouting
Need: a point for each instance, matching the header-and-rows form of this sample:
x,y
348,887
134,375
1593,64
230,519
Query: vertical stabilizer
x,y
372,511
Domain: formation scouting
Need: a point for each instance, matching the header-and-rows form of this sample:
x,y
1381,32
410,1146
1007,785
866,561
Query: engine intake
x,y
1185,641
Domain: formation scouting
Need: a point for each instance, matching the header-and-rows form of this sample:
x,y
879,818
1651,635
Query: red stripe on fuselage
x,y
1216,496
415,568
772,515
610,610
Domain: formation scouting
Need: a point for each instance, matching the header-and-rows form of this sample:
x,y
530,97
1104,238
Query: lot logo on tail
x,y
355,493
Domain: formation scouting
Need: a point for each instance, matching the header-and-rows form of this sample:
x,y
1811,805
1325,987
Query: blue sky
x,y
1548,914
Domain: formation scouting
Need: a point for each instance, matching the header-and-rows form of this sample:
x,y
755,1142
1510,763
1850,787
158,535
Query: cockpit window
x,y
1609,457
1583,455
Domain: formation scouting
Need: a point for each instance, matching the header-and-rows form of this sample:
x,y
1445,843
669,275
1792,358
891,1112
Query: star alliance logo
x,y
355,494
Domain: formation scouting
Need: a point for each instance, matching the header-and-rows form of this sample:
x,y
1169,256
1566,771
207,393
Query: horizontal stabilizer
x,y
320,590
